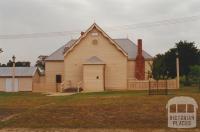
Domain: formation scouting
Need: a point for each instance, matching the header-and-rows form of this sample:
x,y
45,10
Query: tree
x,y
194,74
22,64
170,62
40,63
17,64
9,64
3,65
189,55
158,67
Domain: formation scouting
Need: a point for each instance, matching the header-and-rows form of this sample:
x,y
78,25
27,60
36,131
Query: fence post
x,y
56,87
157,86
78,89
149,87
166,88
199,84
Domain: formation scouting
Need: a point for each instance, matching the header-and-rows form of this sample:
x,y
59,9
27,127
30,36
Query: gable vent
x,y
94,34
95,42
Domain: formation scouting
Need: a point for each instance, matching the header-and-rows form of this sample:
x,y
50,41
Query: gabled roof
x,y
19,71
94,60
104,34
58,55
126,44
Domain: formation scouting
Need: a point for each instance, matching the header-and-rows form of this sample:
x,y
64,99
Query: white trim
x,y
85,34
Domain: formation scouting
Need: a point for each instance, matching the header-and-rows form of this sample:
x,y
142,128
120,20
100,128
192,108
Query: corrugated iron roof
x,y
126,44
58,54
19,71
131,48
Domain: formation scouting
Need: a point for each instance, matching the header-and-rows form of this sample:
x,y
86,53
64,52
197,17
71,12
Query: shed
x,y
23,81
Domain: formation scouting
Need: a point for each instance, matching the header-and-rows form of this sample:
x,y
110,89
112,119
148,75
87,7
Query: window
x,y
181,108
190,108
173,108
58,78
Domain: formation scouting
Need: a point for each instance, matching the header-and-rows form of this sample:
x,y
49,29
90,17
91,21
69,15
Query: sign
x,y
182,112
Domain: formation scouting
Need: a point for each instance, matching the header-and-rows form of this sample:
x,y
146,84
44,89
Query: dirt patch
x,y
9,117
96,130
60,94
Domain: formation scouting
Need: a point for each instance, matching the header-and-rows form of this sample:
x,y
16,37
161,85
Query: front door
x,y
93,78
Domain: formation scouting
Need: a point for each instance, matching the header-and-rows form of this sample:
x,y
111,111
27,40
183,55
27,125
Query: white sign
x,y
182,112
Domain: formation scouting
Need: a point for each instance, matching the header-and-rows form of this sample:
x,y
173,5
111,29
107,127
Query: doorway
x,y
9,85
93,78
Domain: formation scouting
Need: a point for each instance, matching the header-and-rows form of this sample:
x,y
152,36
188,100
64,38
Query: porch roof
x,y
94,61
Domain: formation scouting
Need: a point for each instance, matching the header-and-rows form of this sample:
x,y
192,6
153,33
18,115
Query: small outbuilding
x,y
23,80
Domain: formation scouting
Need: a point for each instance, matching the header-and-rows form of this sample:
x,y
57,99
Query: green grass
x,y
111,109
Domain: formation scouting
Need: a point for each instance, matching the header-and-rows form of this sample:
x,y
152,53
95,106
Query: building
x,y
23,80
95,59
96,62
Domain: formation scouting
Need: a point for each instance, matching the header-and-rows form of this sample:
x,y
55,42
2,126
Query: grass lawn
x,y
106,110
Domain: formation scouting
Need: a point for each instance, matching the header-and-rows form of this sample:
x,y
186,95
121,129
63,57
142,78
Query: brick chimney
x,y
139,62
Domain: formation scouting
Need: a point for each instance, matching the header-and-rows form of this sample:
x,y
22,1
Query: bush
x,y
194,74
72,90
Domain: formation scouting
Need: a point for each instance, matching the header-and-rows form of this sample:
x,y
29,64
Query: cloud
x,y
30,16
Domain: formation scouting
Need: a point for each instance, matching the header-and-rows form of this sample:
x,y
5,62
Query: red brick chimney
x,y
139,63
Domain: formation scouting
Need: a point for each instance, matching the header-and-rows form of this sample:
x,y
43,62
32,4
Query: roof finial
x,y
94,20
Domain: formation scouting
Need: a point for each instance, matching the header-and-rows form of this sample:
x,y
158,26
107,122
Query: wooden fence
x,y
153,84
132,85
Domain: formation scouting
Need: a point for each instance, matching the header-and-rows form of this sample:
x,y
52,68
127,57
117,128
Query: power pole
x,y
177,71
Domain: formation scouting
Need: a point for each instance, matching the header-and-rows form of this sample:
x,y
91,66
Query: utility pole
x,y
13,74
177,71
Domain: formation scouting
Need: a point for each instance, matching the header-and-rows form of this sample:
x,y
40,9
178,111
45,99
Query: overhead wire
x,y
141,25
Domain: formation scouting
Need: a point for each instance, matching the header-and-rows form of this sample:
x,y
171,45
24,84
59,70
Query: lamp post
x,y
177,71
13,73
1,50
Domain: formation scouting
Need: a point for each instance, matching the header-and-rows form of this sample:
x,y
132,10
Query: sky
x,y
44,16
